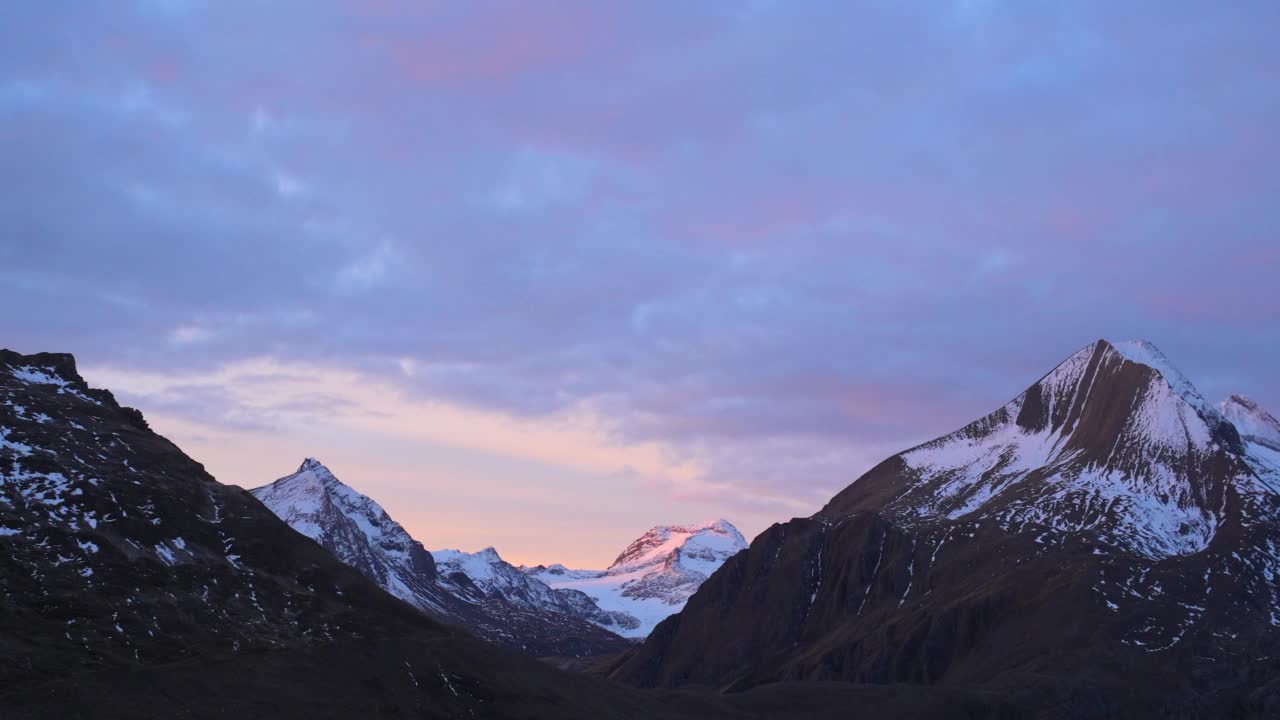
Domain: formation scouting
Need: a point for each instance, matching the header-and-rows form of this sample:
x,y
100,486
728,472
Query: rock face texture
x,y
133,584
479,592
653,577
1105,544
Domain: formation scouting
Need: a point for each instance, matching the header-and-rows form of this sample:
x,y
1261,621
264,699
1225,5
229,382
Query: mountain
x,y
357,531
654,576
501,605
1144,463
131,580
1255,425
496,577
1102,545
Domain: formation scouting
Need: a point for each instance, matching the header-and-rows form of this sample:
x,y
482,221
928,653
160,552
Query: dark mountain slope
x,y
134,585
1101,546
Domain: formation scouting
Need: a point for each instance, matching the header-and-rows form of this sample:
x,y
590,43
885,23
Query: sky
x,y
542,275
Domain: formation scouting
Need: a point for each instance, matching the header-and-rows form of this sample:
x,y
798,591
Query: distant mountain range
x,y
539,613
1103,545
654,577
492,599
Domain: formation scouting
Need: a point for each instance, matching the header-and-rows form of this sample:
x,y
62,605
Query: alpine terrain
x,y
133,584
498,578
478,592
654,576
1103,545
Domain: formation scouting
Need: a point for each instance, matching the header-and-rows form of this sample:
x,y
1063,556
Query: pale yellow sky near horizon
x,y
453,477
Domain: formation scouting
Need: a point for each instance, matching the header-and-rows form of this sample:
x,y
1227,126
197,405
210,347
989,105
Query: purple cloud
x,y
779,238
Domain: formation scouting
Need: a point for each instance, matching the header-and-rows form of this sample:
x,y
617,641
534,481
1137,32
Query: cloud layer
x,y
776,240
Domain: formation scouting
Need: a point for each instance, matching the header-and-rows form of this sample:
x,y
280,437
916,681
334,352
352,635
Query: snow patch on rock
x,y
1034,471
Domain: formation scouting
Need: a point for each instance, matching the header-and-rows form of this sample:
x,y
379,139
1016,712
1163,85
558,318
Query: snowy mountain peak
x,y
655,575
352,526
493,599
1252,421
719,525
664,544
1114,439
1146,353
312,472
481,559
1165,410
313,464
522,591
1103,358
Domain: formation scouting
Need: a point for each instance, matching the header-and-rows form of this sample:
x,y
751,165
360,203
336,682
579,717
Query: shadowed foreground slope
x,y
133,584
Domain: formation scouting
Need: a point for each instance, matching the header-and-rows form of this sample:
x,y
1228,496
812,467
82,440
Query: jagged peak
x,y
489,555
662,543
1138,352
719,525
312,471
1244,401
58,371
1114,420
312,464
43,367
312,478
1144,352
1251,420
300,498
1169,404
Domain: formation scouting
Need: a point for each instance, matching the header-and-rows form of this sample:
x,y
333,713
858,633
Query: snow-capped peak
x,y
697,543
1114,439
1252,421
517,589
485,599
313,464
354,527
655,575
479,566
1146,353
310,473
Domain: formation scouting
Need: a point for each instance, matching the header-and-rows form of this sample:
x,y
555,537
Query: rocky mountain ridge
x,y
480,593
130,579
1102,545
